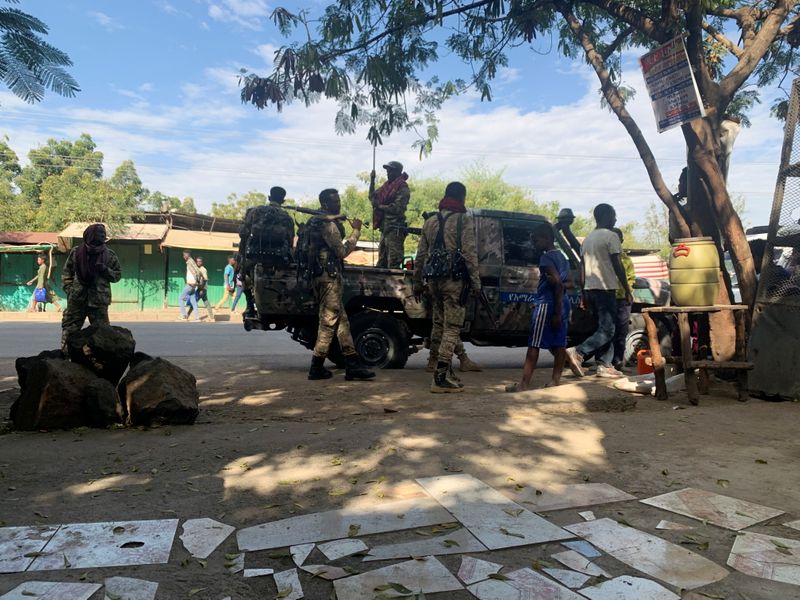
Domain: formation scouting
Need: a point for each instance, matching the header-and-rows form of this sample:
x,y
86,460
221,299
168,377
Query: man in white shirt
x,y
602,273
192,273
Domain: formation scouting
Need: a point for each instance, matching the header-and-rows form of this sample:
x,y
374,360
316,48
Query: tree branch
x,y
618,106
727,43
614,45
633,17
755,51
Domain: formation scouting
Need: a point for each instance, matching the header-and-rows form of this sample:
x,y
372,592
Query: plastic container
x,y
694,272
644,362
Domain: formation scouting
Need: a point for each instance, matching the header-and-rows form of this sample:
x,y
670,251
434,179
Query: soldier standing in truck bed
x,y
326,251
447,262
389,203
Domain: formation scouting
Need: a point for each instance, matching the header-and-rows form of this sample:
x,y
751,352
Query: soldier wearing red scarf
x,y
389,203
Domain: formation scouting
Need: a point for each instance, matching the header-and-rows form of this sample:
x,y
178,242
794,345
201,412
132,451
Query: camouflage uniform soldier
x,y
447,261
90,270
465,362
389,204
326,261
275,218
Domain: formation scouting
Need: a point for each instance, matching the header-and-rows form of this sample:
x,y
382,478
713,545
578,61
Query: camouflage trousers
x,y
437,318
76,313
333,319
390,249
445,299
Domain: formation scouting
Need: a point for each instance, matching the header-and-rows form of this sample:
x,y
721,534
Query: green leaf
x,y
397,587
353,530
761,461
723,483
196,591
498,576
284,593
450,543
505,531
514,512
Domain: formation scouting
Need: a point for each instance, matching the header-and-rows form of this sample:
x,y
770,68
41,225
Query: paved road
x,y
218,340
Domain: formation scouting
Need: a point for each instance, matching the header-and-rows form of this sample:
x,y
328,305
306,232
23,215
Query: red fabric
x,y
385,195
452,204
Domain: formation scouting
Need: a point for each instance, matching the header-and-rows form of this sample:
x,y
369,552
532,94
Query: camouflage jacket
x,y
332,234
99,293
468,244
394,211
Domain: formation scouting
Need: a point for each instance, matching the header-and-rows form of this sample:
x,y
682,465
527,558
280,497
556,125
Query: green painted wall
x,y
16,269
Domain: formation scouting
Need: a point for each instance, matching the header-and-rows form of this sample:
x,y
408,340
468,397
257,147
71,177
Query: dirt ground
x,y
269,445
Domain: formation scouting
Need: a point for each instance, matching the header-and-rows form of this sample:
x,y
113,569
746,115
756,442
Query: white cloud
x,y
245,13
266,52
146,87
105,21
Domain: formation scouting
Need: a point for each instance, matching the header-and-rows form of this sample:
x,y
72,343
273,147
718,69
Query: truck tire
x,y
636,340
381,341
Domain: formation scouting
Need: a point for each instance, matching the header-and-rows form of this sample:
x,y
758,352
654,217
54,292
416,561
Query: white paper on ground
x,y
578,562
455,542
288,584
340,548
491,517
128,588
723,511
587,515
335,524
428,576
258,572
583,547
52,590
201,537
300,553
524,584
473,570
766,556
112,544
628,588
649,554
571,579
16,542
793,524
672,526
571,495
326,571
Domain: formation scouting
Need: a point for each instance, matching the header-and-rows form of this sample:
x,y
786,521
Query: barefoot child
x,y
550,315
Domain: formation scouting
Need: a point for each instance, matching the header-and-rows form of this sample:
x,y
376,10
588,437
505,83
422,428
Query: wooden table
x,y
693,389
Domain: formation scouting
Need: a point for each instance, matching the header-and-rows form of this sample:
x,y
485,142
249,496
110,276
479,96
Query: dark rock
x,y
25,364
156,391
102,404
53,396
104,349
139,357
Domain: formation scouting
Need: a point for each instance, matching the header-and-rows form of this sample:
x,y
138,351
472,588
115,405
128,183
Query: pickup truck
x,y
389,324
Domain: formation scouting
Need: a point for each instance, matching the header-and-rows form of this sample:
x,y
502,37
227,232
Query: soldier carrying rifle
x,y
389,203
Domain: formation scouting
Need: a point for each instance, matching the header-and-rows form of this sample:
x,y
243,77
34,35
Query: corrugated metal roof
x,y
131,231
28,237
201,240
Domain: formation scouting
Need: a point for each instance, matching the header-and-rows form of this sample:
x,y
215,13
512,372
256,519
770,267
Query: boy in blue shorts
x,y
550,316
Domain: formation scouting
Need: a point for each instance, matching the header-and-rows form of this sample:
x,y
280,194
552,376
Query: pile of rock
x,y
88,386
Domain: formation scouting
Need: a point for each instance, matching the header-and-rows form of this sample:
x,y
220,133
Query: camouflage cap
x,y
393,164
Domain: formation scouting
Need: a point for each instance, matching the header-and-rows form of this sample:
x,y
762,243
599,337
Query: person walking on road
x,y
201,292
42,280
389,203
229,282
447,264
602,274
550,316
327,251
90,270
188,293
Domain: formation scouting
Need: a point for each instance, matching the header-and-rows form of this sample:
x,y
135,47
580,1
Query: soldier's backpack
x,y
307,250
271,235
438,264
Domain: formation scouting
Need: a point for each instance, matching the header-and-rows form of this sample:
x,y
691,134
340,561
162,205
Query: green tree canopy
x,y
158,202
236,206
28,64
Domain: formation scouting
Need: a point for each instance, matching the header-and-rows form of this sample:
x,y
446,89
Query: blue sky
x,y
159,86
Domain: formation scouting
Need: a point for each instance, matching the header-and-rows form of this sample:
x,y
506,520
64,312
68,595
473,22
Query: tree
x,y
236,206
127,183
368,56
158,202
54,158
28,64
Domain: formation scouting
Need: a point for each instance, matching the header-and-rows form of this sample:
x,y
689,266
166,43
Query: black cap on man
x,y
277,195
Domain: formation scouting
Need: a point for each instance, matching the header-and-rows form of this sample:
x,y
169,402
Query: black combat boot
x,y
355,369
442,384
318,370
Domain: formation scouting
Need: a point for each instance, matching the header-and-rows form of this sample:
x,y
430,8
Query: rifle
x,y
372,194
324,215
483,301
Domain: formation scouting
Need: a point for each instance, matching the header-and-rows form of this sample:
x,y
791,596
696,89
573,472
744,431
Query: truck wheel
x,y
636,340
381,341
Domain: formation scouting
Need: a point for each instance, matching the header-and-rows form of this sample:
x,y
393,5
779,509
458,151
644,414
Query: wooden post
x,y
655,353
741,354
686,357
